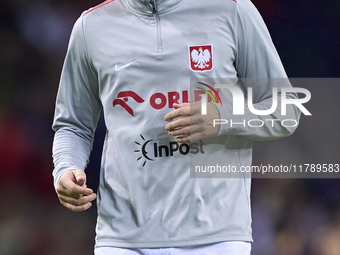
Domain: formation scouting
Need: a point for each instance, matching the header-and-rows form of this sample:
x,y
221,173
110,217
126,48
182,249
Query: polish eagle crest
x,y
200,58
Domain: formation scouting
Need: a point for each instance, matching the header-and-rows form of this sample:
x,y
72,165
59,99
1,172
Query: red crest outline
x,y
201,57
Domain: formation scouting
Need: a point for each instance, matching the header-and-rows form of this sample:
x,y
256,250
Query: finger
x,y
77,202
72,187
190,138
77,208
192,104
180,132
194,108
183,139
182,122
68,187
176,106
180,112
80,176
190,131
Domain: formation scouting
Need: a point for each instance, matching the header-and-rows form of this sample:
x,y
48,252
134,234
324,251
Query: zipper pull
x,y
152,3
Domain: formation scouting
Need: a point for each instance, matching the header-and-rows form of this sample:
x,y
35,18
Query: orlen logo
x,y
159,100
122,102
153,149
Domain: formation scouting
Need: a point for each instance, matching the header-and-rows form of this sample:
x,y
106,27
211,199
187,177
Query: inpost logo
x,y
149,150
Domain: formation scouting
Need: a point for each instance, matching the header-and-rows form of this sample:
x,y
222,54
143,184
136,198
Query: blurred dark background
x,y
290,216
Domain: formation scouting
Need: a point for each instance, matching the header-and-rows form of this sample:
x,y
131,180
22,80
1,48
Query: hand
x,y
191,125
72,193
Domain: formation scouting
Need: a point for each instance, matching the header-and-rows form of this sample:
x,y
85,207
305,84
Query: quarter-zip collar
x,y
149,7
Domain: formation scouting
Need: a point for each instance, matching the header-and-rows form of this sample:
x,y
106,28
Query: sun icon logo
x,y
143,150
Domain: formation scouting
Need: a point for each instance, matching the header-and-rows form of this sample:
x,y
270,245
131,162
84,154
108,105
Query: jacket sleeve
x,y
77,108
258,66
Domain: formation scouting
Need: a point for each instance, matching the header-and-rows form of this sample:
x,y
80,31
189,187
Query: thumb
x,y
80,176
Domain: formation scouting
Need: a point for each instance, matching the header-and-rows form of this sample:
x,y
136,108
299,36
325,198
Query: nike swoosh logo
x,y
118,68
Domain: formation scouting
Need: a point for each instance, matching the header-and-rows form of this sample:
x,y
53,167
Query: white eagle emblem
x,y
200,57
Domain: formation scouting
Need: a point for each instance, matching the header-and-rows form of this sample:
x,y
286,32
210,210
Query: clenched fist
x,y
73,193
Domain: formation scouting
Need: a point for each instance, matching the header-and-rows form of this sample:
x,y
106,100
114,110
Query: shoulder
x,y
246,7
247,14
103,5
98,17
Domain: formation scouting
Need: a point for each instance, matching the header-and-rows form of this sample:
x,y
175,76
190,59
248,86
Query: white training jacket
x,y
132,59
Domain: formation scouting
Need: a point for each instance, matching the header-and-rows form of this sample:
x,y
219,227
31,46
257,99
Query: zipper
x,y
158,25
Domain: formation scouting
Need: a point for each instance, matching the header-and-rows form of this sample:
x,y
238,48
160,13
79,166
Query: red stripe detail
x,y
98,6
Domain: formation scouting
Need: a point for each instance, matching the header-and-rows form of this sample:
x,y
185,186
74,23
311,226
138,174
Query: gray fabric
x,y
154,203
